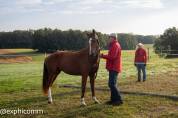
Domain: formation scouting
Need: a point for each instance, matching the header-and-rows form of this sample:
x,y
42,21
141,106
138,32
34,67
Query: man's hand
x,y
145,65
101,55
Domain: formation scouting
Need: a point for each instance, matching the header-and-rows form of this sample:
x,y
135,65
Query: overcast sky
x,y
123,16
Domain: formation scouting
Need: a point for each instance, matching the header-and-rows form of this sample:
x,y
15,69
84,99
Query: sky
x,y
144,17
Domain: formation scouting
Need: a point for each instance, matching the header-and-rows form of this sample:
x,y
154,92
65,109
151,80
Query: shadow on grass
x,y
41,99
170,115
82,111
171,97
33,100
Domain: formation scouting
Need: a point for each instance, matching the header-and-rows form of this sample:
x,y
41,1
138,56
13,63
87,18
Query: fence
x,y
167,53
156,68
154,61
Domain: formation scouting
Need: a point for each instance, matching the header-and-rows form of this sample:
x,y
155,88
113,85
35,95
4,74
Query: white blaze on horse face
x,y
49,96
90,46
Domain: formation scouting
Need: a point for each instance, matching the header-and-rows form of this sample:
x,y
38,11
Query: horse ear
x,y
98,42
94,31
88,34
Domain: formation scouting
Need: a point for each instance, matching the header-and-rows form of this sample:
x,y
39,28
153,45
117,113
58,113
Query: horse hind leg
x,y
52,79
50,100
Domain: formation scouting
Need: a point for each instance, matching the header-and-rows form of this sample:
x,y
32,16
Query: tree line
x,y
167,42
47,39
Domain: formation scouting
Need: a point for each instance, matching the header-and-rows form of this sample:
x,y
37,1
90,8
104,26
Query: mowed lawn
x,y
21,87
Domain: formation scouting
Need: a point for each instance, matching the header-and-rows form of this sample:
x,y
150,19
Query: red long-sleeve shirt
x,y
113,58
140,56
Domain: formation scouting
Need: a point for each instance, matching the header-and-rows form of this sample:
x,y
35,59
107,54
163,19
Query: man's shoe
x,y
117,103
109,102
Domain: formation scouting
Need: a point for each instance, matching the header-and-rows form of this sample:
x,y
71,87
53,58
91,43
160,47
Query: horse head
x,y
94,46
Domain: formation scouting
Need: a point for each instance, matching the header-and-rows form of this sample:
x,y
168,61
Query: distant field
x,y
20,87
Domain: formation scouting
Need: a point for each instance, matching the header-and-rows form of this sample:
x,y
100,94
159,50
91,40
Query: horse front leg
x,y
84,81
92,85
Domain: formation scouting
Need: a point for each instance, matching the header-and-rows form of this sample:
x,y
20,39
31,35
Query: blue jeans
x,y
141,68
115,94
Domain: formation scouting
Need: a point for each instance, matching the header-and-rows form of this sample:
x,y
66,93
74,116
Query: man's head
x,y
112,37
140,45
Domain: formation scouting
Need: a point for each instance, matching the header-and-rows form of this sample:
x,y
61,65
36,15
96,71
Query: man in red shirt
x,y
113,65
140,61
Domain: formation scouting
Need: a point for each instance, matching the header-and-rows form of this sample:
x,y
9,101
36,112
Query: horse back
x,y
73,63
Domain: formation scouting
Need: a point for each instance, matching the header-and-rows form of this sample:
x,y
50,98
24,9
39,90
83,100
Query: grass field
x,y
20,87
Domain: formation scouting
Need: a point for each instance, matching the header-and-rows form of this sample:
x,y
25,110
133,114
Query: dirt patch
x,y
7,57
6,51
15,59
164,84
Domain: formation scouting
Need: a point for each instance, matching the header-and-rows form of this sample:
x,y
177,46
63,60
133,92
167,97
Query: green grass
x,y
20,87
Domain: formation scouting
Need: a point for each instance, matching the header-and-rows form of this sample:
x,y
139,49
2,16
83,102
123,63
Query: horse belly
x,y
72,72
71,67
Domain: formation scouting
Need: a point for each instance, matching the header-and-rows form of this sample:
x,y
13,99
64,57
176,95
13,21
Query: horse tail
x,y
45,79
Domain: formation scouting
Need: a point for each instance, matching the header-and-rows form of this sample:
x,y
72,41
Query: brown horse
x,y
84,62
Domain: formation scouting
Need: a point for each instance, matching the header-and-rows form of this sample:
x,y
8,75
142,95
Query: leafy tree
x,y
167,41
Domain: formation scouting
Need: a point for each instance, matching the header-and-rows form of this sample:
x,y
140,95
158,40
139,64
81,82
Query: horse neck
x,y
85,53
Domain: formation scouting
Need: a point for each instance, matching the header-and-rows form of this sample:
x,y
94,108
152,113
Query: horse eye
x,y
93,41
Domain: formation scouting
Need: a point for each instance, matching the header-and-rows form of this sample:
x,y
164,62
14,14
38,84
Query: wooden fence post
x,y
148,53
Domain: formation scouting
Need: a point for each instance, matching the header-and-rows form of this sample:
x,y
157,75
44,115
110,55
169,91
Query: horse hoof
x,y
97,102
83,104
49,102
